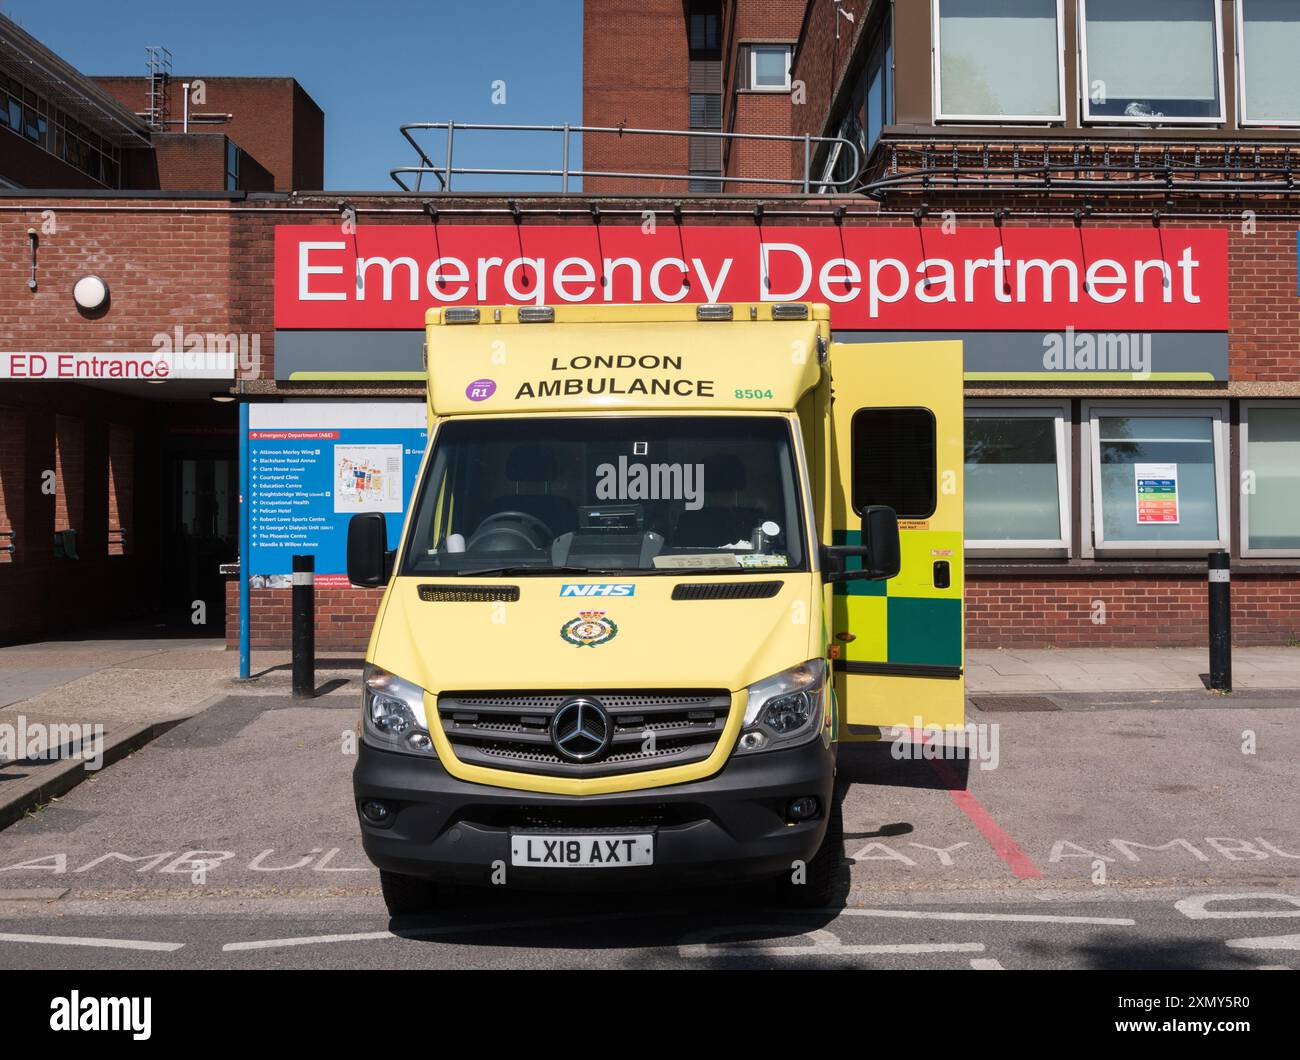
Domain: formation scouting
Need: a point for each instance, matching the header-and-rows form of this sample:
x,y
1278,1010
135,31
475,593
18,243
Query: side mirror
x,y
368,556
880,539
879,551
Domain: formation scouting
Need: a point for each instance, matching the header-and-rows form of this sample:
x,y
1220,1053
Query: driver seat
x,y
531,468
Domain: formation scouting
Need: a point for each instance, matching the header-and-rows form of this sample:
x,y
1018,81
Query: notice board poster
x,y
1157,493
314,465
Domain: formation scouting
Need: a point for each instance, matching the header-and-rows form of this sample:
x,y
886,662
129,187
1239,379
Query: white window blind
x,y
1152,57
1270,45
999,58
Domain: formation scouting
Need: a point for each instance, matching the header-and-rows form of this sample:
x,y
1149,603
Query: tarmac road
x,y
1096,840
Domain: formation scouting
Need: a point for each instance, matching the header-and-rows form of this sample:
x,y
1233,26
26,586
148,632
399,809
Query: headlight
x,y
392,713
784,710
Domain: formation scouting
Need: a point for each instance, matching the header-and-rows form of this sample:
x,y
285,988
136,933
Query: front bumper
x,y
730,826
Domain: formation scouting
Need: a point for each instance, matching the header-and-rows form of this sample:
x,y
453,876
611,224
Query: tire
x,y
408,895
826,874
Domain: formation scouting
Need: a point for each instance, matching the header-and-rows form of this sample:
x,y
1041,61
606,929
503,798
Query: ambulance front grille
x,y
468,594
736,590
511,730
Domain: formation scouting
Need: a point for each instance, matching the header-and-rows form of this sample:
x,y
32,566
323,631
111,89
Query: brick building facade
x,y
207,263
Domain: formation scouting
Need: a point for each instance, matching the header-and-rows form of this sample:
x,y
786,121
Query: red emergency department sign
x,y
890,279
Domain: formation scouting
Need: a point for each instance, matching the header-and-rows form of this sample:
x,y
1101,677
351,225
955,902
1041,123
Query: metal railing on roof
x,y
445,170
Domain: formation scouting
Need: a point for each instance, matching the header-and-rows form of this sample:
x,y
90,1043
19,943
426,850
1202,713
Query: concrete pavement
x,y
1015,671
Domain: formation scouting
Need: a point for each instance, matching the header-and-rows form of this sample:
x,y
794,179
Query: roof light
x,y
460,314
790,311
536,314
713,311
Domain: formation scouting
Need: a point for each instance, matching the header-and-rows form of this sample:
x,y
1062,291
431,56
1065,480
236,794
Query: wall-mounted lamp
x,y
90,293
222,396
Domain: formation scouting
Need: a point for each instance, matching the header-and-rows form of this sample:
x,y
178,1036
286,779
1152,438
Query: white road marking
x,y
1021,918
986,964
819,943
1194,908
1273,968
107,944
1266,942
308,940
421,932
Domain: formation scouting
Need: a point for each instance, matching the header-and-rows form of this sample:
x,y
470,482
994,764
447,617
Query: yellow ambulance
x,y
660,562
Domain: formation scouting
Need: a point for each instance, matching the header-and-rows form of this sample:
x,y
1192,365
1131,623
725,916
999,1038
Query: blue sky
x,y
430,61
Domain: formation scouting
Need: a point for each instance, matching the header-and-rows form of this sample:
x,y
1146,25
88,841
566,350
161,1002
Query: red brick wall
x,y
121,488
190,162
1135,612
166,269
41,595
13,448
70,475
767,113
634,71
274,120
344,618
212,271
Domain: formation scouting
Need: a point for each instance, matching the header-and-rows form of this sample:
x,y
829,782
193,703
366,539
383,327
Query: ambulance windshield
x,y
652,494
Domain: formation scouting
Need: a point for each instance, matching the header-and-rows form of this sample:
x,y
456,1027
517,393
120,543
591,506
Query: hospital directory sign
x,y
1157,493
312,466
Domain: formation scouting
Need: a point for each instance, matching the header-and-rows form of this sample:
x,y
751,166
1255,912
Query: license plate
x,y
581,851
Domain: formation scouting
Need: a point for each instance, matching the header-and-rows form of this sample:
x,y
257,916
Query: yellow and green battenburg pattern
x,y
905,621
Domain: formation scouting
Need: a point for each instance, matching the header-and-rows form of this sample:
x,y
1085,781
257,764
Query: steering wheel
x,y
530,525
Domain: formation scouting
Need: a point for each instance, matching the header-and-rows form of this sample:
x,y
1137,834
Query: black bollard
x,y
1220,622
304,627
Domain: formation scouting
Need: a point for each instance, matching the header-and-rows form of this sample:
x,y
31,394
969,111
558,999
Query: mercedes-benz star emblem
x,y
581,729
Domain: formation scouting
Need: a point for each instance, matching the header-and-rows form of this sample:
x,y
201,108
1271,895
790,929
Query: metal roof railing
x,y
445,170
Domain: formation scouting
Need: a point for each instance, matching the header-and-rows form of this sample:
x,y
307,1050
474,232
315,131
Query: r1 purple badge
x,y
481,389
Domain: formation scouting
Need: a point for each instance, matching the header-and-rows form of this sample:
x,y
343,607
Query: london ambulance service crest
x,y
589,629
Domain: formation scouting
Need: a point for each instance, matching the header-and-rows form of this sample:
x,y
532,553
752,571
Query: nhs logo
x,y
602,589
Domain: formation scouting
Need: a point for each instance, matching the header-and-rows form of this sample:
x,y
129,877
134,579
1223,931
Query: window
x,y
877,109
1270,493
1152,61
610,493
894,461
232,165
1017,472
706,110
998,60
1268,40
704,184
704,31
1158,478
769,67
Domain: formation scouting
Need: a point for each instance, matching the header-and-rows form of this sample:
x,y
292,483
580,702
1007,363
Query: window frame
x,y
1094,543
1244,443
1242,99
754,49
1059,411
1085,97
936,63
860,511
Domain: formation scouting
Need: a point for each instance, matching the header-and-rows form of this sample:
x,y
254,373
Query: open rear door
x,y
897,423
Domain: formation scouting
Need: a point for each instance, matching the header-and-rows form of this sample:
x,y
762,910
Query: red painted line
x,y
1003,845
